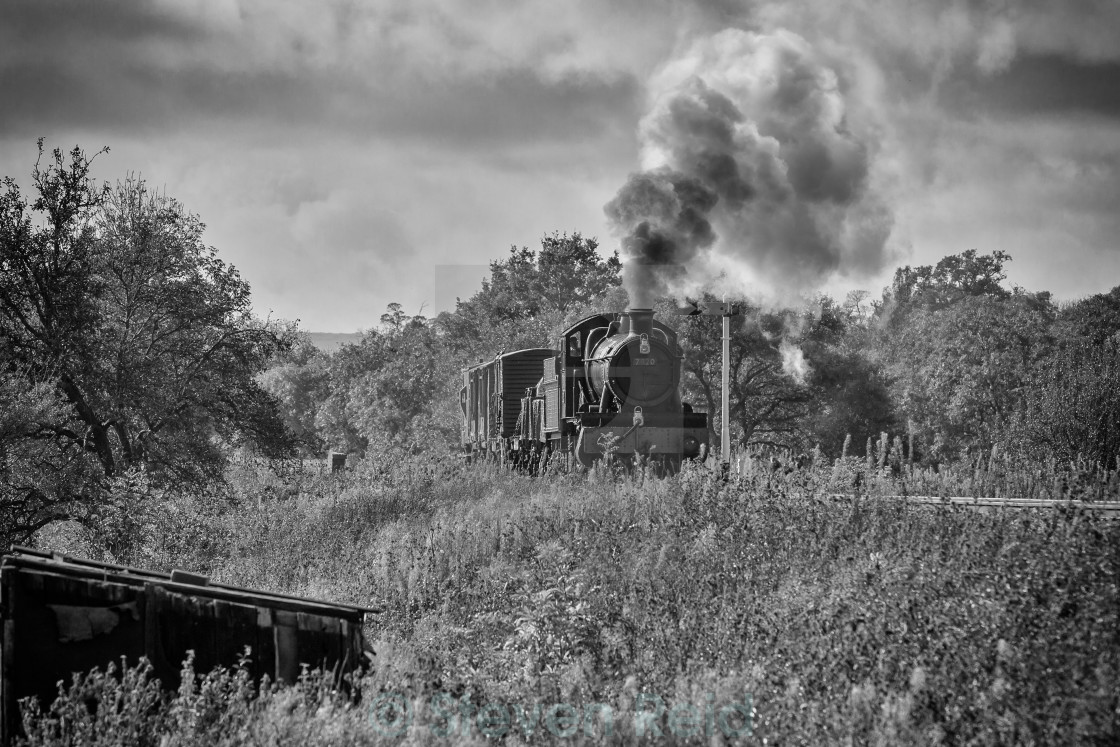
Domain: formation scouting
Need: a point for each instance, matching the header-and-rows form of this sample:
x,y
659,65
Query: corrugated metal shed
x,y
62,615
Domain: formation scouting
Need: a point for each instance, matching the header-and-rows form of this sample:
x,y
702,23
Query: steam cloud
x,y
752,169
794,364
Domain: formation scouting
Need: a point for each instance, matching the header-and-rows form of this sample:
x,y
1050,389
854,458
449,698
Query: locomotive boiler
x,y
609,388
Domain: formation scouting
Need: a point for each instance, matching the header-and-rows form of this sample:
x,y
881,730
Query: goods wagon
x,y
491,399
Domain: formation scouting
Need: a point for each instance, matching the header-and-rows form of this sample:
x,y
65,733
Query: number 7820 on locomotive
x,y
611,386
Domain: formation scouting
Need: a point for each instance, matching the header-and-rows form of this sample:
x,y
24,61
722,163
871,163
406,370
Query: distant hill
x,y
329,342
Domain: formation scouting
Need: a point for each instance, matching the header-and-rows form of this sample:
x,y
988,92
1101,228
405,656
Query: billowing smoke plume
x,y
794,364
667,213
753,170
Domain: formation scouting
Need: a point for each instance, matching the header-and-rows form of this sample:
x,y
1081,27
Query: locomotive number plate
x,y
645,361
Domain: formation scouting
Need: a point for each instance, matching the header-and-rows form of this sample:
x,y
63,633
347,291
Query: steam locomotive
x,y
609,389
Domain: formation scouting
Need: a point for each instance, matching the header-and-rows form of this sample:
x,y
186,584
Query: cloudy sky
x,y
348,154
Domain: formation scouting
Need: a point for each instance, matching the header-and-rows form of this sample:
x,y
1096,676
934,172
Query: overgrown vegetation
x,y
871,620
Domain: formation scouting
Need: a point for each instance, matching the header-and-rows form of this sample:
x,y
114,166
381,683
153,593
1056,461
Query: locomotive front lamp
x,y
643,347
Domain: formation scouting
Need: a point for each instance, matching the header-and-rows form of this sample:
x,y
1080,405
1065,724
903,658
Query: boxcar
x,y
491,401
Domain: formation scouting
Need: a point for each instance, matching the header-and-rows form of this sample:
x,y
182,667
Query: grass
x,y
860,621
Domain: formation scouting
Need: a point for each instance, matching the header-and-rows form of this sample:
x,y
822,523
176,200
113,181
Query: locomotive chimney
x,y
637,322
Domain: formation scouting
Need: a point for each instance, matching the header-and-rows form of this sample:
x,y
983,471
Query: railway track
x,y
1109,509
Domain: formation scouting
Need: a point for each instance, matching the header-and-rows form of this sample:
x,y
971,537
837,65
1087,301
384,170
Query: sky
x,y
345,155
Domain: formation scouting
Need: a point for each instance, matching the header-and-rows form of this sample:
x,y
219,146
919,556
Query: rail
x,y
1108,508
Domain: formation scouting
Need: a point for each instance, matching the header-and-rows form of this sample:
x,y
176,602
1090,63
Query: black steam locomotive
x,y
610,388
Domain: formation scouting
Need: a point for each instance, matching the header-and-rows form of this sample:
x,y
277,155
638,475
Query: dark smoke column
x,y
666,216
754,172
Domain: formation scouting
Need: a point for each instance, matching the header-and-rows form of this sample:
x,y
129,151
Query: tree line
x,y
951,358
131,363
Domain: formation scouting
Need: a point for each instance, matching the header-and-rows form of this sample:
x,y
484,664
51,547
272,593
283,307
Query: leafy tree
x,y
334,422
838,392
112,297
958,348
1072,405
529,295
958,372
385,390
571,272
299,379
952,278
41,475
1095,319
851,393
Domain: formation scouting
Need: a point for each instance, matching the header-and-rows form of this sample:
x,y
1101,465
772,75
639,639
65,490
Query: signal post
x,y
725,310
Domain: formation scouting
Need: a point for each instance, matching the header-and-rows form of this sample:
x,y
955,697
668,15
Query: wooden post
x,y
9,705
286,640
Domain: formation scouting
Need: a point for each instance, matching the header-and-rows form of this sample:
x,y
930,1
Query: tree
x,y
530,294
112,297
958,372
39,474
299,379
958,348
1072,405
770,403
385,390
571,273
952,278
851,394
1095,319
